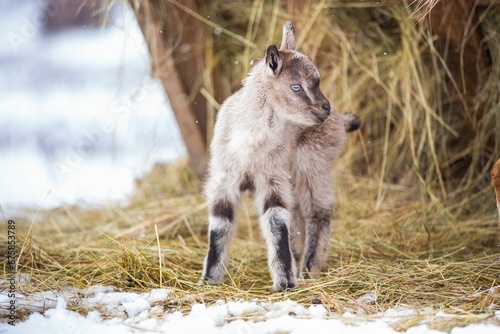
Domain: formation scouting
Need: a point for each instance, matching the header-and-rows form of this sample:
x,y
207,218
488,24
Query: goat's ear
x,y
288,39
273,61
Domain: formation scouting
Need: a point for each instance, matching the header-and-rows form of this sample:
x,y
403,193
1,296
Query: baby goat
x,y
256,138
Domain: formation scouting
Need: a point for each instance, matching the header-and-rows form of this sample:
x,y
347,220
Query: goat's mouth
x,y
321,117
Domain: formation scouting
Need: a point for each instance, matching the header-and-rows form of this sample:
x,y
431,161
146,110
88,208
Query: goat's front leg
x,y
275,225
318,230
220,232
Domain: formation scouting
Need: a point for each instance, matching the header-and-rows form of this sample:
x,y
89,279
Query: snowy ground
x,y
112,312
80,115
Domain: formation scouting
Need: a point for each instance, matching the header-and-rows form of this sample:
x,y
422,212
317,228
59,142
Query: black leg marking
x,y
284,255
214,253
223,209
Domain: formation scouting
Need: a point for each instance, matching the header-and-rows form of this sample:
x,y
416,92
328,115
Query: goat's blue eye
x,y
295,88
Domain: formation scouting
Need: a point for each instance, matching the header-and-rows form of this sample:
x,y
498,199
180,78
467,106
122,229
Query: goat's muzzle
x,y
323,115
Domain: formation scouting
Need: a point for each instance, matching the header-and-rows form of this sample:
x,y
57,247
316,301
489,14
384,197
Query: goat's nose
x,y
326,106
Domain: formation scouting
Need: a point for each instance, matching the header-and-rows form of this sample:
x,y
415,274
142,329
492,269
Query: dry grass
x,y
416,255
404,229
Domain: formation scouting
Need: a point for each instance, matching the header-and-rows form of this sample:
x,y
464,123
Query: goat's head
x,y
294,82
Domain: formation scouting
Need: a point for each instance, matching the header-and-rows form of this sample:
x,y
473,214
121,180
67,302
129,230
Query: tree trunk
x,y
176,43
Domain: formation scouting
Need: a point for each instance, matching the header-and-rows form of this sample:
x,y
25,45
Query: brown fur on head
x,y
495,180
293,80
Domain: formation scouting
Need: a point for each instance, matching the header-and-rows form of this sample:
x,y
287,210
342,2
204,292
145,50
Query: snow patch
x,y
111,311
135,307
317,311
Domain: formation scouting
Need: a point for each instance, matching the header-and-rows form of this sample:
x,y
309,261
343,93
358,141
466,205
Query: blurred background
x,y
84,86
80,115
84,113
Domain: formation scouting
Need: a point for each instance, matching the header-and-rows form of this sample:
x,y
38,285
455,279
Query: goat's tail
x,y
351,122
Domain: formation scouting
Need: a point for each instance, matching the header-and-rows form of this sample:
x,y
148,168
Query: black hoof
x,y
286,286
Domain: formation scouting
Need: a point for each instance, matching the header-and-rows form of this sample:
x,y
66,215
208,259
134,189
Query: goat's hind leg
x,y
318,230
297,236
220,232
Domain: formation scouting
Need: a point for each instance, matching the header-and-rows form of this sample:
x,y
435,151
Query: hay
x,y
381,63
415,256
405,231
